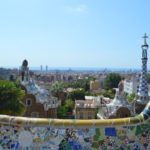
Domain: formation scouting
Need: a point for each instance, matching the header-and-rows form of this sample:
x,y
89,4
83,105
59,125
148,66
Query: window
x,y
28,102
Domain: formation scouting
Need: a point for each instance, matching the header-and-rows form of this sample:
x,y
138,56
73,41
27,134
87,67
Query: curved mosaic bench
x,y
65,123
131,133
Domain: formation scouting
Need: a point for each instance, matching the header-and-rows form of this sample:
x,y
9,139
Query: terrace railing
x,y
131,133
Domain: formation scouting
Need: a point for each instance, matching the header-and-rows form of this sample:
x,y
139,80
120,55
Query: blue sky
x,y
73,33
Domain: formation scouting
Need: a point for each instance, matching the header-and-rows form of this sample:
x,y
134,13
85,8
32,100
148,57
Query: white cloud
x,y
79,9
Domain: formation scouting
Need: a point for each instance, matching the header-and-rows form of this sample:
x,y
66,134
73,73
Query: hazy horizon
x,y
70,68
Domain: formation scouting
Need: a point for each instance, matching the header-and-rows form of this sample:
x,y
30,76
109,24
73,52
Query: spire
x,y
144,47
25,71
145,37
143,86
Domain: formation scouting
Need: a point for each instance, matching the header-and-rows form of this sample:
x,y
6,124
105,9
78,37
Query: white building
x,y
132,85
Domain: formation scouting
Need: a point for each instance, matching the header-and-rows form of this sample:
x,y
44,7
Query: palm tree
x,y
57,89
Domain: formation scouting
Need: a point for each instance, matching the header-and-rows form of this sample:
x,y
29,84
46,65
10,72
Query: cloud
x,y
79,9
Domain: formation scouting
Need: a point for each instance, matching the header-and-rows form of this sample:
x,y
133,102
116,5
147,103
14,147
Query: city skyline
x,y
72,34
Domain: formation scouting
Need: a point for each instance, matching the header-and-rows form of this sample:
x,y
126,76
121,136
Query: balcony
x,y
131,133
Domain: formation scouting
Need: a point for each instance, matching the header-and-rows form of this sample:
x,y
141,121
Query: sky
x,y
73,33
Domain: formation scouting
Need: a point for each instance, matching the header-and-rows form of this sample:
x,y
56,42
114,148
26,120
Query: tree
x,y
62,112
11,98
108,93
131,97
80,83
112,80
65,109
57,89
69,104
78,94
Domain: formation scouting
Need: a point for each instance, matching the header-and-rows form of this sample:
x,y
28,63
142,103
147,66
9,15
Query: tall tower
x,y
46,68
41,68
25,71
142,96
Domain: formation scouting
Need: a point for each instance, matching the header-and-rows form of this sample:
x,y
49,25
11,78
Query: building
x,y
95,86
131,85
120,107
85,109
39,101
37,109
142,95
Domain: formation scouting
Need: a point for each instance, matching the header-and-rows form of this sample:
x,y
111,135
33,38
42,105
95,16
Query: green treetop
x,y
11,98
57,88
112,80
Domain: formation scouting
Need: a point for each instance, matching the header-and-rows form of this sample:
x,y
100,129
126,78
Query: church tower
x,y
142,96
